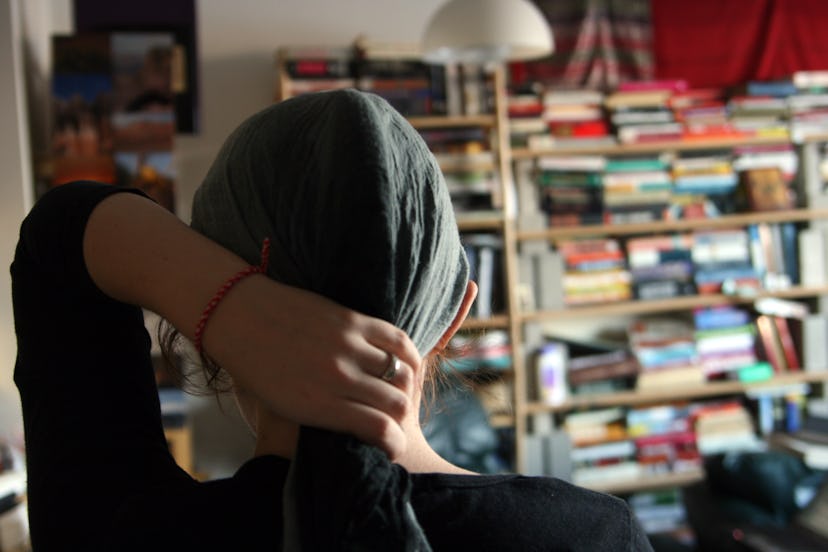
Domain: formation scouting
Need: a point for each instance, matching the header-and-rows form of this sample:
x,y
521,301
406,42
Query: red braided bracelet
x,y
225,287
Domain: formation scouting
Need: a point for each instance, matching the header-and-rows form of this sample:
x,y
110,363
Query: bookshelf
x,y
652,306
521,320
645,397
651,482
650,147
724,221
538,323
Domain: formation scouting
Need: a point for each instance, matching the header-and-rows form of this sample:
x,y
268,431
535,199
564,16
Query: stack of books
x,y
574,118
468,166
525,111
396,72
318,68
723,257
703,185
664,439
781,156
601,449
636,190
640,112
570,189
595,271
595,426
661,266
725,341
723,427
759,115
485,353
703,112
666,350
808,114
602,372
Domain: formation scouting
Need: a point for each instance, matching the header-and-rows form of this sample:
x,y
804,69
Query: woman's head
x,y
354,205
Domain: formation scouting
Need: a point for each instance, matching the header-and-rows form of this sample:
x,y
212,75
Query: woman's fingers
x,y
391,340
393,398
369,425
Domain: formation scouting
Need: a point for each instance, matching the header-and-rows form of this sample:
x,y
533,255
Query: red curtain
x,y
722,43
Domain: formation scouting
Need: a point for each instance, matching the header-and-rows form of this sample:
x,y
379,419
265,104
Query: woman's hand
x,y
310,360
314,362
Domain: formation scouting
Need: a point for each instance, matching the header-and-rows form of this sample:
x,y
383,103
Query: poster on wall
x,y
174,17
114,116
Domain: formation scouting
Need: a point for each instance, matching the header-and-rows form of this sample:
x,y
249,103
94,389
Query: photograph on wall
x,y
172,17
82,92
114,117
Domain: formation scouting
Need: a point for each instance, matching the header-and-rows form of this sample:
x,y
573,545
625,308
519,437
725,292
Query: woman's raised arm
x,y
311,360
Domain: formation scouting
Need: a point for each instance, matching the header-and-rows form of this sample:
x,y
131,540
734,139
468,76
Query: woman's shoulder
x,y
519,511
521,486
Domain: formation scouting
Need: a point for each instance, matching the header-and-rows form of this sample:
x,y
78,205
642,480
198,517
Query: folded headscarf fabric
x,y
357,210
354,204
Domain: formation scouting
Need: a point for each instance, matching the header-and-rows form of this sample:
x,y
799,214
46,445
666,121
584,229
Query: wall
x,y
237,42
15,196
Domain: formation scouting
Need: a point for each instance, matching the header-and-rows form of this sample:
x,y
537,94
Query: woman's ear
x,y
462,313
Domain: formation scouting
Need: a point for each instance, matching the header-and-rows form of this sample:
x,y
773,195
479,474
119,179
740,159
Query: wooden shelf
x,y
501,420
815,138
667,305
666,394
724,221
462,165
500,321
483,220
452,121
649,147
650,482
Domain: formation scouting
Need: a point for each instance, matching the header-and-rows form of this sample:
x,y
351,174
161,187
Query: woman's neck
x,y
275,435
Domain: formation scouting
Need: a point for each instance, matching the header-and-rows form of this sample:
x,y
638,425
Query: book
x,y
783,334
815,342
814,453
813,267
672,377
765,189
771,343
550,366
602,366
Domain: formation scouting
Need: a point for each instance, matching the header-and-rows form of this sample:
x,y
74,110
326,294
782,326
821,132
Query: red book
x,y
783,331
770,343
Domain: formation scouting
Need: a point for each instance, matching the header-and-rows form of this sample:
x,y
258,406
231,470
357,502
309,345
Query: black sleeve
x,y
90,405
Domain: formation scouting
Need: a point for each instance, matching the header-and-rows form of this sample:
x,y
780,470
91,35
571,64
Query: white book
x,y
617,449
812,257
534,451
815,342
595,163
485,281
550,281
622,471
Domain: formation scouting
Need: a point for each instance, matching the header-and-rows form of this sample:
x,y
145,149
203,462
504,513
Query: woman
x,y
354,209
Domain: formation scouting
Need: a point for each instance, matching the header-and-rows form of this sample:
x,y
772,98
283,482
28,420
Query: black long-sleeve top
x,y
100,474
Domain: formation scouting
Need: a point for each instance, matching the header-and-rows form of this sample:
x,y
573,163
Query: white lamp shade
x,y
486,30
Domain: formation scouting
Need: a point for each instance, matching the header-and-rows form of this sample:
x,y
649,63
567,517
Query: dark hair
x,y
178,365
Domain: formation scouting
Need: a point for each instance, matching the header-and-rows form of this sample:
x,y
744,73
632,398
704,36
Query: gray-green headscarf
x,y
357,210
354,204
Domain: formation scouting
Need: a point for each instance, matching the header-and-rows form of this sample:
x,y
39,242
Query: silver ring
x,y
392,368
